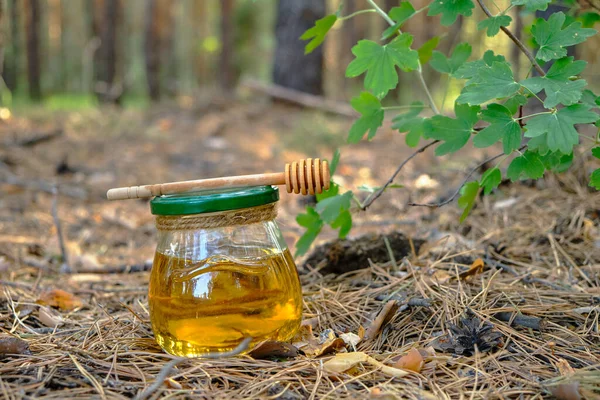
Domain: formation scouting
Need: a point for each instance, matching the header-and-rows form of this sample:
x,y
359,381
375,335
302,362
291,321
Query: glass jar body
x,y
211,288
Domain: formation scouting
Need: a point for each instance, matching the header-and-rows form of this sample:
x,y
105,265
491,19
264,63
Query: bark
x,y
292,68
226,67
33,48
11,60
152,50
107,53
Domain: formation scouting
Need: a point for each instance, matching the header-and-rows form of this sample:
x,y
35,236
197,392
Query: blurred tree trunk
x,y
106,65
10,72
33,17
226,71
152,50
292,68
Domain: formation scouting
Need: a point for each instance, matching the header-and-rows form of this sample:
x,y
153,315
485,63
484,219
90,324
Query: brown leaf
x,y
376,393
412,361
273,349
568,390
343,362
60,299
361,332
13,345
384,316
327,343
474,269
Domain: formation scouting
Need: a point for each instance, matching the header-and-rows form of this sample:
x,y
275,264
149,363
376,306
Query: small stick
x,y
61,240
534,323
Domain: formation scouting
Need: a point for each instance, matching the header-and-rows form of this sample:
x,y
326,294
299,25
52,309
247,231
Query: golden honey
x,y
211,305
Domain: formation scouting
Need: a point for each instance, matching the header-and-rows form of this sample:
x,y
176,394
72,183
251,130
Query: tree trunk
x,y
152,50
33,48
10,72
292,68
226,68
106,67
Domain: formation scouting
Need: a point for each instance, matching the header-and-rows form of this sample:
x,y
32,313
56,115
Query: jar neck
x,y
231,218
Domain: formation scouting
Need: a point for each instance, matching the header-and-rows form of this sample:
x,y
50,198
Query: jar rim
x,y
214,200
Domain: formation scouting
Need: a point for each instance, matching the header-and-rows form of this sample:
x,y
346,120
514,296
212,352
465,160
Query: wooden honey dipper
x,y
305,176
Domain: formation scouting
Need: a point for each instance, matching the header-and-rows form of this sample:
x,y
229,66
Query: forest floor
x,y
505,305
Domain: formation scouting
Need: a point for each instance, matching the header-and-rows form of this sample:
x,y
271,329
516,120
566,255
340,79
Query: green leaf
x,y
557,162
445,65
426,50
380,62
344,223
552,39
490,180
595,179
529,165
313,224
560,127
493,24
410,122
317,33
596,152
470,69
515,102
371,117
468,195
330,208
589,19
532,5
454,133
502,127
451,9
490,82
590,99
334,162
558,85
334,189
400,15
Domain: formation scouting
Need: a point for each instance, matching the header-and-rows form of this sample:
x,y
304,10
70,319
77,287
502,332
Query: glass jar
x,y
222,272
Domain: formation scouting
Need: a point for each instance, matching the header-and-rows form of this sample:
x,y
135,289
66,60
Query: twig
x,y
384,316
378,193
525,321
164,372
515,39
61,240
36,138
467,177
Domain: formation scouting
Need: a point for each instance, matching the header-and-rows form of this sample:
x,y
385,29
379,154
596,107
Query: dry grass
x,y
542,259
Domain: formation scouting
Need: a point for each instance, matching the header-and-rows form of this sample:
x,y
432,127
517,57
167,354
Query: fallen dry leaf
x,y
568,390
13,345
384,316
327,343
376,393
342,362
361,332
49,317
475,269
60,299
412,361
273,349
350,338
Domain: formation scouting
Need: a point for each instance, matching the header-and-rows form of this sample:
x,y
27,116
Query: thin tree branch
x,y
455,195
378,193
515,39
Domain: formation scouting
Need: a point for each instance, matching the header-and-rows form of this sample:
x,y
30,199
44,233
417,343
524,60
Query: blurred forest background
x,y
80,53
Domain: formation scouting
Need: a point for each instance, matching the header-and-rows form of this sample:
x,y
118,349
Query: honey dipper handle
x,y
139,192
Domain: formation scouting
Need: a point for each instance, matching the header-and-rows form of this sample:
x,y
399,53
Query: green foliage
x,y
502,127
411,122
317,33
489,108
451,9
380,62
453,132
558,83
559,127
494,24
532,5
490,82
468,196
371,118
529,165
553,40
490,180
449,65
400,15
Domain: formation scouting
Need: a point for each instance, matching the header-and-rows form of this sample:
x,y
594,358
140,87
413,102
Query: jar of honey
x,y
222,272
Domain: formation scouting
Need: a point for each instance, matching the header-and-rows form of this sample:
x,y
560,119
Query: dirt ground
x,y
505,305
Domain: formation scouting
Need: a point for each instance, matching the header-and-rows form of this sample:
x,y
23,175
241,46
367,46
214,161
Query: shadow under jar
x,y
222,272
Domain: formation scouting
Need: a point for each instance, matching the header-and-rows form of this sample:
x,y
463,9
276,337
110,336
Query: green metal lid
x,y
214,200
